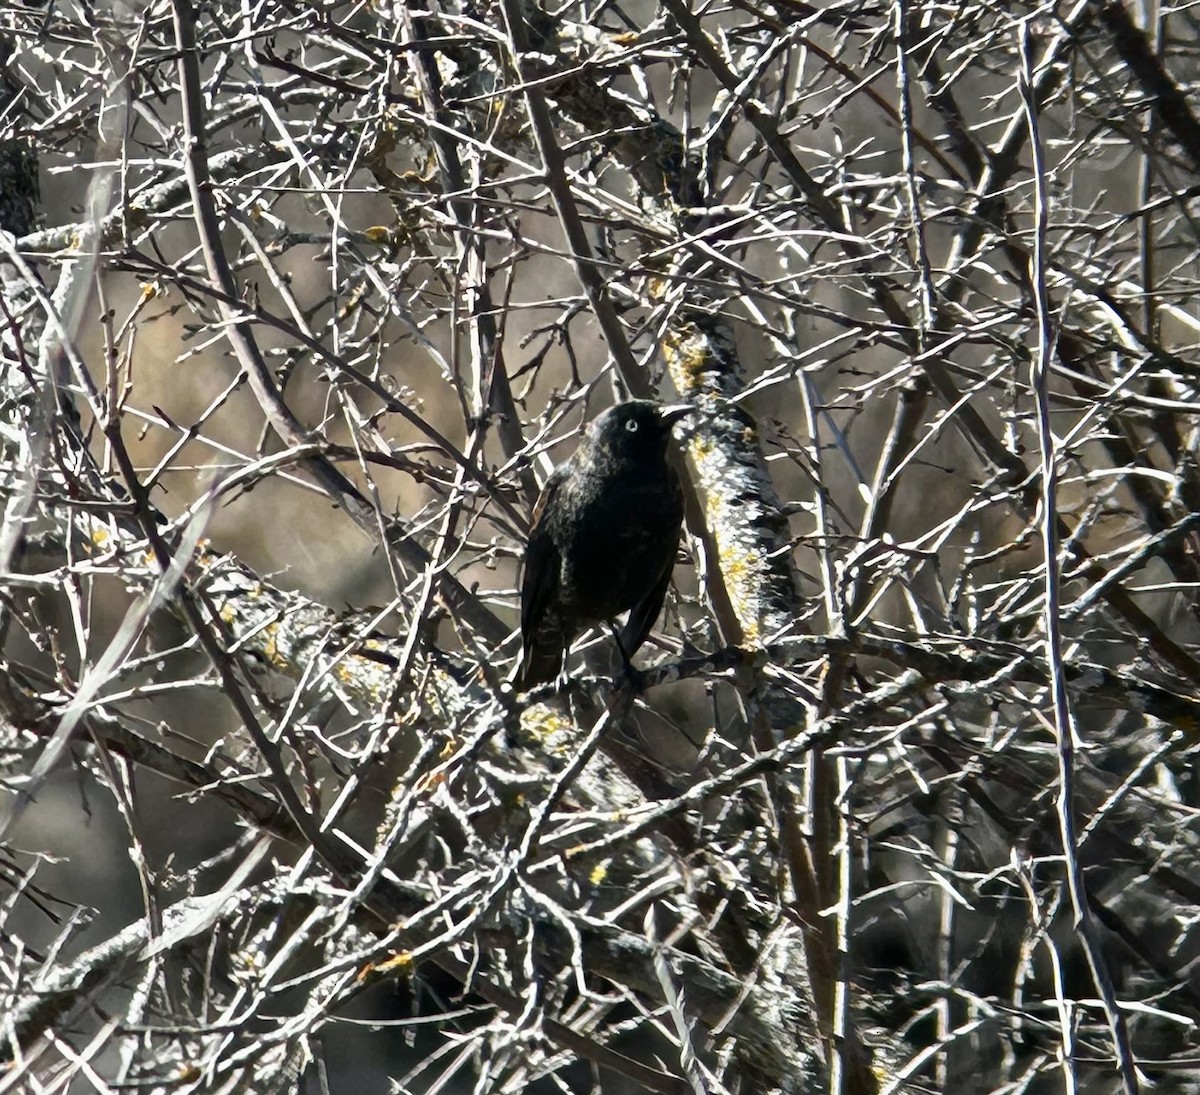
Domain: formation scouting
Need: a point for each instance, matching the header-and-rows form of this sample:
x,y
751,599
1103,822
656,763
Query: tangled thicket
x,y
291,333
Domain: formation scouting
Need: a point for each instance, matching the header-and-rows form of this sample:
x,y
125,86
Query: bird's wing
x,y
539,582
642,615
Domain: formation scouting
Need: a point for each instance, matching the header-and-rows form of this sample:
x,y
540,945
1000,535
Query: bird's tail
x,y
539,665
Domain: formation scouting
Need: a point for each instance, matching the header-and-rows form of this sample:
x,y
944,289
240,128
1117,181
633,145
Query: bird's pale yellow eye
x,y
632,425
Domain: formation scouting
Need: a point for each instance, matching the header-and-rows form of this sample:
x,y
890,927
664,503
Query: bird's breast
x,y
622,535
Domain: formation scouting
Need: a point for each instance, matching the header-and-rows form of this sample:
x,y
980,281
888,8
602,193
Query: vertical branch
x,y
555,163
238,328
1064,728
947,853
493,393
925,289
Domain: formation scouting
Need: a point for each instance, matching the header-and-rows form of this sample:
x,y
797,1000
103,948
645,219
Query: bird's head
x,y
637,427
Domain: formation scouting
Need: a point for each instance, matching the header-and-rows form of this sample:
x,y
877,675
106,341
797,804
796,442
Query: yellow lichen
x,y
428,782
400,963
544,724
741,570
688,357
270,647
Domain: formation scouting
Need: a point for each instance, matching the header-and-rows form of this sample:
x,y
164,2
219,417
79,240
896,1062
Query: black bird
x,y
603,539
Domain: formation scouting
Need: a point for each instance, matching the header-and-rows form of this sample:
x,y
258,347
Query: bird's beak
x,y
673,412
